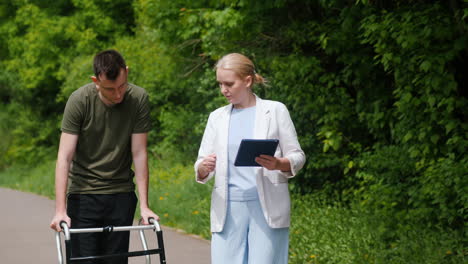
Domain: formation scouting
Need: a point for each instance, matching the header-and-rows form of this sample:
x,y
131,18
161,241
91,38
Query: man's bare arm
x,y
140,160
64,158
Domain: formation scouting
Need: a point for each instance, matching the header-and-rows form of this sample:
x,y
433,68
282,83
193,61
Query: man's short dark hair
x,y
109,63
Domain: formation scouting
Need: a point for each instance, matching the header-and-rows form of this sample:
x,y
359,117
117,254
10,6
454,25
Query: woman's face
x,y
234,88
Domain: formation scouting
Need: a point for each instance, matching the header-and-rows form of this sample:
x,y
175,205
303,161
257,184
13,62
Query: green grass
x,y
39,179
320,232
179,201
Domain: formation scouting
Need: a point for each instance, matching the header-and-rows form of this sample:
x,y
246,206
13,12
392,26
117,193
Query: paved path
x,y
25,236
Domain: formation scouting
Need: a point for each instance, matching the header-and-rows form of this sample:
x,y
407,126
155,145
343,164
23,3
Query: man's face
x,y
112,92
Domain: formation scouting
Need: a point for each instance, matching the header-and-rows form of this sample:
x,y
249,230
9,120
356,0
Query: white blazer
x,y
272,121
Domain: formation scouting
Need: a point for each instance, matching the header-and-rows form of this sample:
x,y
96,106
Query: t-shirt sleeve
x,y
143,120
73,115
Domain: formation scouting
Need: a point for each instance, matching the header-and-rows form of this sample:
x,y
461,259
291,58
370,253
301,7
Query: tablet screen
x,y
249,149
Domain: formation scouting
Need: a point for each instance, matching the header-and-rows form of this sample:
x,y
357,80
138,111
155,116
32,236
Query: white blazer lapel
x,y
262,124
223,136
262,119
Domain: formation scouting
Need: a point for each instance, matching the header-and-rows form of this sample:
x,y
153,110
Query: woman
x,y
250,206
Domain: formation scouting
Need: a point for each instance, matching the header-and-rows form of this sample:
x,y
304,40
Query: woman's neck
x,y
248,102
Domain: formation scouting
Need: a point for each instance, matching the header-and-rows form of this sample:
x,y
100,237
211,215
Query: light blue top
x,y
242,183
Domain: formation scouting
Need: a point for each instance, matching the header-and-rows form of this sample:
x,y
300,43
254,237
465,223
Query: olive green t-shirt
x,y
103,158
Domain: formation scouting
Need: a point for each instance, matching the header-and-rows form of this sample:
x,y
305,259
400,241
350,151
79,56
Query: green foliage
x,y
5,134
45,44
26,135
427,102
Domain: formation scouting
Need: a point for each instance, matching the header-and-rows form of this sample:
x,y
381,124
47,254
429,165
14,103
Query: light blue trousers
x,y
247,238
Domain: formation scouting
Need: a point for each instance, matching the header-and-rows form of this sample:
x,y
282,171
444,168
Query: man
x,y
104,129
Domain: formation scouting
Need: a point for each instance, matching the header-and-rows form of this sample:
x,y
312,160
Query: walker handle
x,y
62,223
153,221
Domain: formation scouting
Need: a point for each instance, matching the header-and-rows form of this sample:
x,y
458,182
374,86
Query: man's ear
x,y
127,69
95,80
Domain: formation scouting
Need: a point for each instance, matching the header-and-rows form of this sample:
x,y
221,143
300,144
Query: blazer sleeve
x,y
288,142
206,148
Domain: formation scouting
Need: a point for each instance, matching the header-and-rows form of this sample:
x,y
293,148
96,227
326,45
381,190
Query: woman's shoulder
x,y
221,110
272,105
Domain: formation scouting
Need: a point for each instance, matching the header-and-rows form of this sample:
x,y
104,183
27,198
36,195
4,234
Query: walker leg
x,y
162,255
145,246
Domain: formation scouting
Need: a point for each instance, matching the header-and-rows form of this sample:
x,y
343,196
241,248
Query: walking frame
x,y
154,225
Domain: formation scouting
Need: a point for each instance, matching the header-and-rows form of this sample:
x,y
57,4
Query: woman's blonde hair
x,y
241,65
